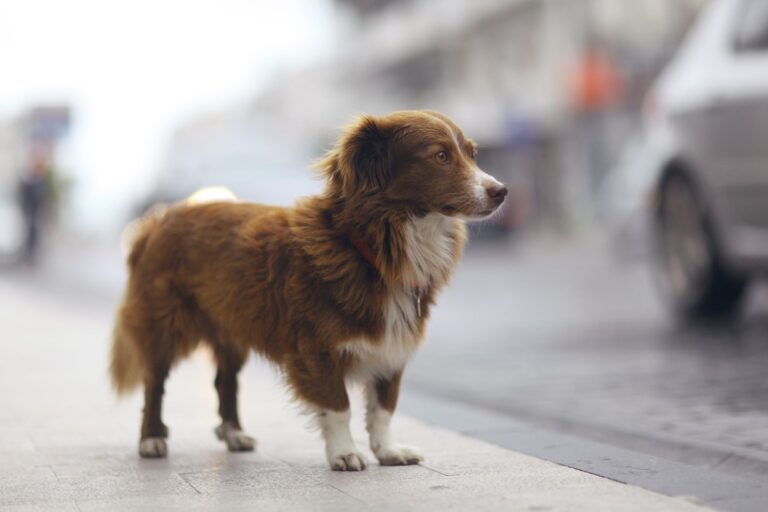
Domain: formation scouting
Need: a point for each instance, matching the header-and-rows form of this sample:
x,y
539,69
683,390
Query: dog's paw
x,y
354,461
399,455
153,448
236,439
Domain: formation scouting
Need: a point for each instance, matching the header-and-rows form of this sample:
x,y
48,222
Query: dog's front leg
x,y
381,397
321,385
340,449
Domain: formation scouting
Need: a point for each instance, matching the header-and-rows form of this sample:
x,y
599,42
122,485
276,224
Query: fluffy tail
x,y
126,363
126,366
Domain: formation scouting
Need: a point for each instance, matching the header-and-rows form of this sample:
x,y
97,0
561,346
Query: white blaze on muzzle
x,y
481,183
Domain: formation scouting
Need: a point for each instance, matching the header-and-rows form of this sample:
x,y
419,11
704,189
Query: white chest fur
x,y
429,257
429,249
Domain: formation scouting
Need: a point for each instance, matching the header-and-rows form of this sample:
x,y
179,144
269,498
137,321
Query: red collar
x,y
364,251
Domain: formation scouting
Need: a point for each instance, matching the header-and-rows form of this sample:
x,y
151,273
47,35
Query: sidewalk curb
x,y
709,487
749,464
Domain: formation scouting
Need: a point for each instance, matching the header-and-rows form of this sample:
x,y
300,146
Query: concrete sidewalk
x,y
67,444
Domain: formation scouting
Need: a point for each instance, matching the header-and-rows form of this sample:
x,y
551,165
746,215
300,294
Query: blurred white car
x,y
240,155
703,181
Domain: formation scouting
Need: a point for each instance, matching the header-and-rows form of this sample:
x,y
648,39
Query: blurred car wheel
x,y
694,276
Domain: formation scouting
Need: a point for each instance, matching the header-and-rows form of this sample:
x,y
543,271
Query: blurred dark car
x,y
705,161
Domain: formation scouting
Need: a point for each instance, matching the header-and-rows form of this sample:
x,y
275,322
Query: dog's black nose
x,y
497,191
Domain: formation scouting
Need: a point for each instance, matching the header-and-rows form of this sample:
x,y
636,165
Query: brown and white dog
x,y
333,290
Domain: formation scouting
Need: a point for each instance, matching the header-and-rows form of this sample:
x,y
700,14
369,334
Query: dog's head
x,y
418,160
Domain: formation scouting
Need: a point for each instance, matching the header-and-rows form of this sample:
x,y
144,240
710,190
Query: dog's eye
x,y
442,157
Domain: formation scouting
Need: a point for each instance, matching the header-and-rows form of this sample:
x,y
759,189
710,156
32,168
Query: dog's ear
x,y
364,156
360,163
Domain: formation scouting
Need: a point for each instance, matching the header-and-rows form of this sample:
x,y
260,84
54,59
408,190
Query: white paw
x,y
236,439
153,448
399,455
354,461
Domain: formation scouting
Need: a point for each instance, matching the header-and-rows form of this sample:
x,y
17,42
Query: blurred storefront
x,y
506,70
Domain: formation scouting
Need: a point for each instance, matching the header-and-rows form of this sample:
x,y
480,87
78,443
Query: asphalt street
x,y
567,336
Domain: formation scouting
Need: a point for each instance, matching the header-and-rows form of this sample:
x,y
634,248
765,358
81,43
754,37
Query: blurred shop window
x,y
752,28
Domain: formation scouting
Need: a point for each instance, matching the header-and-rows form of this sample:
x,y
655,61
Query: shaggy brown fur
x,y
288,282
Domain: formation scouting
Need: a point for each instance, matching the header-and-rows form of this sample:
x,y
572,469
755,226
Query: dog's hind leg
x,y
153,431
229,362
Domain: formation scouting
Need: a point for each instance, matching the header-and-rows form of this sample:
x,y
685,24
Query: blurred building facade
x,y
503,69
9,143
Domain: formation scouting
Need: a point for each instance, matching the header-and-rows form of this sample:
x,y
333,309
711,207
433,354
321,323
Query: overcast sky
x,y
133,70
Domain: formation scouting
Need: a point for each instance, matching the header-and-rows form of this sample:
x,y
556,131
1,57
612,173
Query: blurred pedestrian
x,y
596,89
34,196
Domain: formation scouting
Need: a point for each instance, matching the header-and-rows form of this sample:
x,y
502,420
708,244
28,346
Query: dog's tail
x,y
126,364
